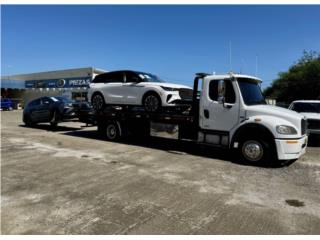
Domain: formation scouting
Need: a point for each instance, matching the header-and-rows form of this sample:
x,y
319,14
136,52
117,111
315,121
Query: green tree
x,y
301,81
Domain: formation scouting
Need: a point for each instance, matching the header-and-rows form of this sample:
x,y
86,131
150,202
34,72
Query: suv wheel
x,y
98,102
152,102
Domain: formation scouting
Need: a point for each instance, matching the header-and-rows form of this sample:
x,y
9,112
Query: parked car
x,y
135,88
6,104
311,110
49,109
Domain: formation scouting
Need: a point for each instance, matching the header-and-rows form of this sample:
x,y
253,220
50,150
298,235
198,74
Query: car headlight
x,y
283,129
169,88
68,105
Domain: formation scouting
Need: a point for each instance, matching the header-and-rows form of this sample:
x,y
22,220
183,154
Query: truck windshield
x,y
250,91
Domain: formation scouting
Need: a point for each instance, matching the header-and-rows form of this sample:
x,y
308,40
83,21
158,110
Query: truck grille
x,y
313,124
185,93
303,126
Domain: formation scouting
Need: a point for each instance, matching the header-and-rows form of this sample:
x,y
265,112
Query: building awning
x,y
13,84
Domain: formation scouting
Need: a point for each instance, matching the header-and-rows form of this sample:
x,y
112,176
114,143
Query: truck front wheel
x,y
252,150
257,151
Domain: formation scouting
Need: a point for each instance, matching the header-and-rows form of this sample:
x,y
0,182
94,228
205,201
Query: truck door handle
x,y
206,113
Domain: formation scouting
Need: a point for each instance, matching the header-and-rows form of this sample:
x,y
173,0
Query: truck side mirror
x,y
221,91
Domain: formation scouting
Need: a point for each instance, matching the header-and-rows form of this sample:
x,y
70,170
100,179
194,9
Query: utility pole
x,y
230,56
256,74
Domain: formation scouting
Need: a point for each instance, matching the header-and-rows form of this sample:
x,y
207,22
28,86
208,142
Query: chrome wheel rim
x,y
252,150
111,132
97,102
151,103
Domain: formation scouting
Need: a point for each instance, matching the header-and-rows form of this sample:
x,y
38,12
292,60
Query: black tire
x,y
55,119
256,151
27,121
152,102
112,131
98,102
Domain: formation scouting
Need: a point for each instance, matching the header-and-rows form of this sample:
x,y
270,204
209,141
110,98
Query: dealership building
x,y
71,83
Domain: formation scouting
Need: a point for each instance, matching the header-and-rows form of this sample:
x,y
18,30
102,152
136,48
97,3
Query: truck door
x,y
215,115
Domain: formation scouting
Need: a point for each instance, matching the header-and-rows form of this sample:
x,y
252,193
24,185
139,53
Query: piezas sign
x,y
79,82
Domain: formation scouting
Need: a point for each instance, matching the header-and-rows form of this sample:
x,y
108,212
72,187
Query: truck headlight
x,y
286,130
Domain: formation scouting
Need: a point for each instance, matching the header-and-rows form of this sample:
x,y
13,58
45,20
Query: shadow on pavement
x,y
176,147
48,127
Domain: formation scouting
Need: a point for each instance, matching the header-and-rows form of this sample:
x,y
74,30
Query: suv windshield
x,y
250,91
148,77
306,107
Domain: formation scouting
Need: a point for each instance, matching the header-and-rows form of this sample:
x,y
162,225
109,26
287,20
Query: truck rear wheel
x,y
111,130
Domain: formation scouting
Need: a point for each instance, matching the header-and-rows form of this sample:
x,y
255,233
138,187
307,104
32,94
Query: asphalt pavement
x,y
71,181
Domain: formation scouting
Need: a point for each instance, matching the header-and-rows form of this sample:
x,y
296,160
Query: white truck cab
x,y
233,112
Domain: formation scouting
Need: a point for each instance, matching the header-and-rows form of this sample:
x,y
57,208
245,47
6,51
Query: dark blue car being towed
x,y
49,109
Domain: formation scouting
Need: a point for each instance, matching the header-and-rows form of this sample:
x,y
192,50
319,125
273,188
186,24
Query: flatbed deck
x,y
125,113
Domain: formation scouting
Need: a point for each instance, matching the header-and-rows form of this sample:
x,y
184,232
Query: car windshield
x,y
148,77
306,107
250,91
62,99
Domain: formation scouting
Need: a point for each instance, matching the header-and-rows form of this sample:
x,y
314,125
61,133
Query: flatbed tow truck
x,y
226,111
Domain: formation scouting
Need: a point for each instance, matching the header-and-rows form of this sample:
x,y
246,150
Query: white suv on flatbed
x,y
135,88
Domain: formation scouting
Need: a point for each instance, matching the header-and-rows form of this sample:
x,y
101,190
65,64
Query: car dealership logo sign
x,y
60,83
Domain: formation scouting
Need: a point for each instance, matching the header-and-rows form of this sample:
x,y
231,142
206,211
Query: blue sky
x,y
171,41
